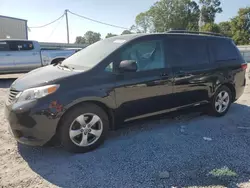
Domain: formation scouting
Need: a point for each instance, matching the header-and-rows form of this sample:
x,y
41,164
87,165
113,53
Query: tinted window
x,y
109,68
4,46
224,50
182,51
148,55
20,45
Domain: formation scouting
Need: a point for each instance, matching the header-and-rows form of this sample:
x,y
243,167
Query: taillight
x,y
244,66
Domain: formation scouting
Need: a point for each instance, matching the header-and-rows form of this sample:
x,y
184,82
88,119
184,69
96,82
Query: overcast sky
x,y
117,12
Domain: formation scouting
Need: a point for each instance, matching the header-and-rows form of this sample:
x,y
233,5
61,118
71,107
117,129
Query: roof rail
x,y
195,32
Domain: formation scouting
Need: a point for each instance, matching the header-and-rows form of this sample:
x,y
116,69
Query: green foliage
x,y
92,37
89,37
143,23
211,27
209,9
80,40
225,171
174,14
184,14
168,14
125,32
240,27
110,35
225,28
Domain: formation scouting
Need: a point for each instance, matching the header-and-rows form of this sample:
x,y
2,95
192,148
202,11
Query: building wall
x,y
13,28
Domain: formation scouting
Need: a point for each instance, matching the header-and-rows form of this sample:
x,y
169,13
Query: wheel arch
x,y
102,105
232,89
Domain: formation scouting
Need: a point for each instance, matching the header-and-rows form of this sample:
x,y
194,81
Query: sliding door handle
x,y
164,74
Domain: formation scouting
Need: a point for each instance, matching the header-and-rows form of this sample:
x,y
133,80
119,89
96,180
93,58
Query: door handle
x,y
165,75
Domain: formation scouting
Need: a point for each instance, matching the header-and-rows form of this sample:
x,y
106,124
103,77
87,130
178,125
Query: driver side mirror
x,y
128,66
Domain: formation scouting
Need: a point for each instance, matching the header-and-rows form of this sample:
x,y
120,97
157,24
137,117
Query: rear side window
x,y
4,46
186,51
20,45
224,50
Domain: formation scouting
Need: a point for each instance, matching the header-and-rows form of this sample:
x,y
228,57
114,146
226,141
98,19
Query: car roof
x,y
129,37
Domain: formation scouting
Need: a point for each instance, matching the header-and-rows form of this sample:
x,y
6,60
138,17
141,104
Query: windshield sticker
x,y
119,41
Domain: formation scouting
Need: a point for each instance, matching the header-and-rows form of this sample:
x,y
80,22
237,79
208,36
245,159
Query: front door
x,y
25,56
193,72
6,60
149,90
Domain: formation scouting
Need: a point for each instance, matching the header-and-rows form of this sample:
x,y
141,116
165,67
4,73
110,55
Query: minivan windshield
x,y
93,54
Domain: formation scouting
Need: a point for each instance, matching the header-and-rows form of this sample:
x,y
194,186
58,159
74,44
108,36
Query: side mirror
x,y
128,66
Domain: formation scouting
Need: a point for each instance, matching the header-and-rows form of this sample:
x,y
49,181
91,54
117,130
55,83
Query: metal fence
x,y
245,51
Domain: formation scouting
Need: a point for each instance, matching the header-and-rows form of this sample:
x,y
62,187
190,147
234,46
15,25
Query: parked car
x,y
18,56
120,79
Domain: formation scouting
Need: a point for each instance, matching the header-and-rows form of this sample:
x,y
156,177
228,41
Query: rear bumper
x,y
29,124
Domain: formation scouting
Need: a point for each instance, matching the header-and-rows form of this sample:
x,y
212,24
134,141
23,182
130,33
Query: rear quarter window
x,y
187,51
224,50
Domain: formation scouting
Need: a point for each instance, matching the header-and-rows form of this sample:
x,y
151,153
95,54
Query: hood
x,y
42,76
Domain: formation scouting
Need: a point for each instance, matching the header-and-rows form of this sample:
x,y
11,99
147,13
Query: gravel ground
x,y
184,149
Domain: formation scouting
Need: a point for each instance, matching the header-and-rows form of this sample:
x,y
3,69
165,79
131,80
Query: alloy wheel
x,y
222,102
86,129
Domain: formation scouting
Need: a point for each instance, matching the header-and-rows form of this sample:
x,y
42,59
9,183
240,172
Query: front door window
x,y
148,55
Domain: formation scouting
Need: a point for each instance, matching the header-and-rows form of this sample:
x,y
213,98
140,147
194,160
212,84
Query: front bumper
x,y
31,123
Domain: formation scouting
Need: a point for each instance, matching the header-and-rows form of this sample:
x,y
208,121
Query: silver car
x,y
25,55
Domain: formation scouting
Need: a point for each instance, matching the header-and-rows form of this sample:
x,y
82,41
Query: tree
x,y
110,35
193,16
225,28
174,14
92,37
211,27
209,9
240,27
143,23
80,40
125,32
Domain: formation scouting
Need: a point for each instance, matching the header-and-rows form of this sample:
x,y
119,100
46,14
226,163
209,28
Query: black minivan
x,y
120,79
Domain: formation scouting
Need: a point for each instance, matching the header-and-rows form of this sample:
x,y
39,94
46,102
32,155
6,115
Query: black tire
x,y
212,109
68,119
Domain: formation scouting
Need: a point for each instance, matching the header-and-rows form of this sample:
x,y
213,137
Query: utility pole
x,y
67,24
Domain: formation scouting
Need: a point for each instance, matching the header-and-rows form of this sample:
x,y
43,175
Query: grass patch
x,y
222,172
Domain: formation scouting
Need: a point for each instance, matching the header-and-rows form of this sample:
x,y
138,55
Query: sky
x,y
116,12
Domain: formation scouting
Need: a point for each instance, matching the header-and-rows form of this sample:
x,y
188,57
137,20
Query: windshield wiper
x,y
66,66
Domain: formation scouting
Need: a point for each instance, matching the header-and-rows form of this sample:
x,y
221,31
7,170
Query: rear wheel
x,y
221,101
84,128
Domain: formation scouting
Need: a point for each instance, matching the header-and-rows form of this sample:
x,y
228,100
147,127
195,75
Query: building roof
x,y
1,16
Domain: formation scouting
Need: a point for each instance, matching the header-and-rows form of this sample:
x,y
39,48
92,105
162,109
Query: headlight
x,y
36,93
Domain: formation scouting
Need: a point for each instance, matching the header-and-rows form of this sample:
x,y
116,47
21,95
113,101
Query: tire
x,y
214,107
79,124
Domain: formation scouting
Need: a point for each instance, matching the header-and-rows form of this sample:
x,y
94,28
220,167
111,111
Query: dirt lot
x,y
177,150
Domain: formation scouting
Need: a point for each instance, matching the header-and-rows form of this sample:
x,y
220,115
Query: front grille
x,y
12,95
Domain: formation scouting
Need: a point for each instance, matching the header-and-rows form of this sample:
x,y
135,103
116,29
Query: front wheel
x,y
221,101
84,128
